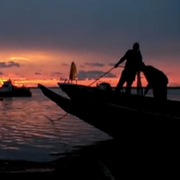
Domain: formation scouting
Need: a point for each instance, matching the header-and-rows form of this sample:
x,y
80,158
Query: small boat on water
x,y
10,90
120,116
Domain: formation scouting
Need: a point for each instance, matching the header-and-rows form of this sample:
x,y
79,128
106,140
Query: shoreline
x,y
105,160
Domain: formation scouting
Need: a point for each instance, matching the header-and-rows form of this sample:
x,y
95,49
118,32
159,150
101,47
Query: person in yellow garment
x,y
156,79
73,72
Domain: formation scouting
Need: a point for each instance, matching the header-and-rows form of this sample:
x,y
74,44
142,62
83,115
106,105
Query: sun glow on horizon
x,y
88,82
30,67
19,58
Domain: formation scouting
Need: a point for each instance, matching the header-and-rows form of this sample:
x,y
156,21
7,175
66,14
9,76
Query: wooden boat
x,y
121,122
10,90
105,93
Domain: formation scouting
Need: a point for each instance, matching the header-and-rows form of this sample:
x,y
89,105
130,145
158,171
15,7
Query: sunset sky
x,y
40,38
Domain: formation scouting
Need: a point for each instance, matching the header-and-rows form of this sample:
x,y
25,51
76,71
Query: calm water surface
x,y
27,133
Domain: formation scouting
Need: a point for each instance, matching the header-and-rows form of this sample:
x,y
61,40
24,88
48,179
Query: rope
x,y
52,122
103,75
58,132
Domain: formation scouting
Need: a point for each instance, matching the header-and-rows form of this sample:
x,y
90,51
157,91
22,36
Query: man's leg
x,y
130,78
121,82
128,87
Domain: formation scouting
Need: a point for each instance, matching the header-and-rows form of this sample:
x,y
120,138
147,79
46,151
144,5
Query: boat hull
x,y
118,121
15,94
150,104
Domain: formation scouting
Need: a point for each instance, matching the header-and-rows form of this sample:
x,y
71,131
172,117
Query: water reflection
x,y
25,128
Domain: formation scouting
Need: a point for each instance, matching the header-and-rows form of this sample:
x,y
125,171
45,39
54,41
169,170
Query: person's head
x,y
136,46
142,66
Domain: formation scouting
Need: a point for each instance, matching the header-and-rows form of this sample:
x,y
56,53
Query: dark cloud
x,y
94,64
93,25
37,73
56,74
9,64
93,75
1,73
64,64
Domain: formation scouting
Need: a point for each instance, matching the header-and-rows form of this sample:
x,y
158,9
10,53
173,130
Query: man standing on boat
x,y
156,79
133,59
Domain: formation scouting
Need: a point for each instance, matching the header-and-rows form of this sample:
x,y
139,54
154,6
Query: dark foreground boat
x,y
105,93
121,122
10,90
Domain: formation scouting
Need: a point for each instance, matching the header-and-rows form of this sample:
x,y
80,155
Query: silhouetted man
x,y
133,59
156,79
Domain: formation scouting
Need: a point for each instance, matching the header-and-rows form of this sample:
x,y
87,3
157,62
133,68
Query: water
x,y
27,133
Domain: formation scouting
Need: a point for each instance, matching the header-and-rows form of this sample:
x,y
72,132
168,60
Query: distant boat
x,y
10,90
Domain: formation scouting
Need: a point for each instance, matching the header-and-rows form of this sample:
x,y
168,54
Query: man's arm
x,y
121,60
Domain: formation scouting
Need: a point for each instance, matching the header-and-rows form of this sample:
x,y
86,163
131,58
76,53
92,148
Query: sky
x,y
40,38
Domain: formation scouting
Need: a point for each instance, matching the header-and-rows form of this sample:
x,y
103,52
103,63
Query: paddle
x,y
104,75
